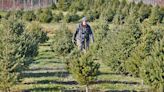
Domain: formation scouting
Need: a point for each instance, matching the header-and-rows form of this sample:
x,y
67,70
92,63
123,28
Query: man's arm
x,y
74,35
91,34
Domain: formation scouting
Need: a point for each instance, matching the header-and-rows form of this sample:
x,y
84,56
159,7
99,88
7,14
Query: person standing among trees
x,y
83,35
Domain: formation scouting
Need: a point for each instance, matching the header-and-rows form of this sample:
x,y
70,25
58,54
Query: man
x,y
83,35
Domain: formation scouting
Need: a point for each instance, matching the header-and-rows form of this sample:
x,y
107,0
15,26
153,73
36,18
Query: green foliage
x,y
108,15
83,68
72,18
117,19
9,59
144,12
77,5
146,60
37,31
152,67
64,4
131,44
45,16
133,17
62,41
8,15
19,14
58,17
29,16
53,6
92,15
155,16
17,48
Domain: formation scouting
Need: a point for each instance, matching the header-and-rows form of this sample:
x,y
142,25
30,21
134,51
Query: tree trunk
x,y
87,88
24,5
2,5
39,4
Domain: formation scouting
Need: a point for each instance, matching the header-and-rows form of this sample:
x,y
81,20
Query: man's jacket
x,y
83,34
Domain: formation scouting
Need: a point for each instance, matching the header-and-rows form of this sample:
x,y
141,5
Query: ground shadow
x,y
46,74
50,90
114,82
45,68
54,82
47,50
81,90
45,57
73,90
108,73
41,89
122,91
65,82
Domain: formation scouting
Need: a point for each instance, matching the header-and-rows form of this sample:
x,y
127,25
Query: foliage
x,y
83,68
46,16
72,18
76,6
155,16
29,16
108,15
64,4
128,38
152,67
58,17
144,12
62,41
53,6
8,15
19,14
10,60
18,47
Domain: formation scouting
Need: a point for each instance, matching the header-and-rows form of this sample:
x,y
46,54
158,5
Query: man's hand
x,y
74,41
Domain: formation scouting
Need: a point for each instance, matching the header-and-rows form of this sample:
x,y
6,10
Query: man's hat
x,y
84,19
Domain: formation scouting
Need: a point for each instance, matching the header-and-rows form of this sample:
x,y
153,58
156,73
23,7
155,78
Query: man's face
x,y
84,23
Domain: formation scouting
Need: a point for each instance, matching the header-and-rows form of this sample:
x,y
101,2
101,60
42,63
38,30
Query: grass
x,y
3,13
48,74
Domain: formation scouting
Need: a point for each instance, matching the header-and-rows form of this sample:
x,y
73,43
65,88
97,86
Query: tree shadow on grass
x,y
122,91
73,90
46,68
41,89
109,73
64,82
45,57
47,74
81,90
54,82
114,82
51,90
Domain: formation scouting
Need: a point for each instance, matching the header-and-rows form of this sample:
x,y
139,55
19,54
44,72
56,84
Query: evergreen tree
x,y
144,12
10,60
155,16
84,69
152,67
62,41
18,47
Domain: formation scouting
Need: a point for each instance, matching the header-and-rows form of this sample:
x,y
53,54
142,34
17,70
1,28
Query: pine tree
x,y
155,16
10,60
18,47
62,41
61,4
144,12
152,67
83,69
